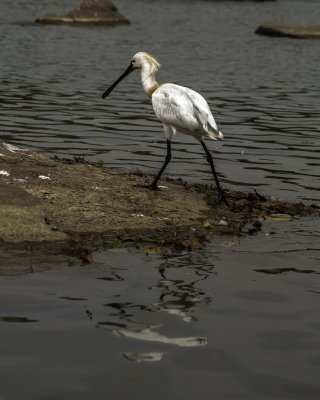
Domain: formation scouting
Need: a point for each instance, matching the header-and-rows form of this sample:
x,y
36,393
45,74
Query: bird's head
x,y
138,61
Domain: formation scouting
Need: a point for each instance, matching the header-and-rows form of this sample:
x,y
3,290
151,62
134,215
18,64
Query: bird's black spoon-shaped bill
x,y
110,89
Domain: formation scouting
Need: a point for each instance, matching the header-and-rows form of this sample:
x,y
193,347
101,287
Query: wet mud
x,y
74,206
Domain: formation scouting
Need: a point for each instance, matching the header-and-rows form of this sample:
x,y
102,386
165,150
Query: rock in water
x,y
89,12
293,31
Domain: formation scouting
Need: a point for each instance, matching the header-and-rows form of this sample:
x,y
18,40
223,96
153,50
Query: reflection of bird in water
x,y
178,108
176,297
179,297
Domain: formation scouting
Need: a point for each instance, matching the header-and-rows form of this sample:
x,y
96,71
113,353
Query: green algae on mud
x,y
71,204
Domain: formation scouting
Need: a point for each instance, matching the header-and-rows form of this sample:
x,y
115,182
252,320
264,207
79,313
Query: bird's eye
x,y
133,61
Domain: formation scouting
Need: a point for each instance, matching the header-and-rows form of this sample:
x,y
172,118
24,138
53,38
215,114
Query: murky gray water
x,y
233,320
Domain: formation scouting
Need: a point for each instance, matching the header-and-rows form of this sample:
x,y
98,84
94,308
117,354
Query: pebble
x,y
137,172
249,229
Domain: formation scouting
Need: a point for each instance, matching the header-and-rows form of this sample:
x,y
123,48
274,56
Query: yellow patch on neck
x,y
153,89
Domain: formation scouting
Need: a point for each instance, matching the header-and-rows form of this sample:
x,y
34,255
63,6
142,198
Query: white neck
x,y
148,79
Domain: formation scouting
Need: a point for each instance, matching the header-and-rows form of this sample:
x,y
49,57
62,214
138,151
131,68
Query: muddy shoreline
x,y
51,203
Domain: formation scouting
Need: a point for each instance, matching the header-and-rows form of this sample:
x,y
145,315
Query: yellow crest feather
x,y
155,63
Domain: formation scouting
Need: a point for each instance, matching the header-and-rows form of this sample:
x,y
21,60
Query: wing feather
x,y
184,109
173,107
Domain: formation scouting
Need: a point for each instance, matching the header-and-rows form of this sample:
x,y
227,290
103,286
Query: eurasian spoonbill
x,y
178,108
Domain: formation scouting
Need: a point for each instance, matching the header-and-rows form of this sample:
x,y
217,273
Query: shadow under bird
x,y
178,108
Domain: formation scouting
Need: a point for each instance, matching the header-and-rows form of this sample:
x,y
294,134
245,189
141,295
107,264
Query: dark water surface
x,y
236,319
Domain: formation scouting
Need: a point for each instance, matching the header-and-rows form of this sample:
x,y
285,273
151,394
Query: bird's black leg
x,y
221,197
153,185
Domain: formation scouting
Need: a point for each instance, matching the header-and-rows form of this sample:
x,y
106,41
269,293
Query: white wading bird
x,y
178,108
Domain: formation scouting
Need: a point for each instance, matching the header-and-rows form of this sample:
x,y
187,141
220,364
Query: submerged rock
x,y
293,31
89,12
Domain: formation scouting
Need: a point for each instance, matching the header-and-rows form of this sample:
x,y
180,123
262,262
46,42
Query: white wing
x,y
185,110
203,110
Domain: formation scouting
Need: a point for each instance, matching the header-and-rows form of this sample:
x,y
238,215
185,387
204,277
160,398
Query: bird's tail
x,y
214,133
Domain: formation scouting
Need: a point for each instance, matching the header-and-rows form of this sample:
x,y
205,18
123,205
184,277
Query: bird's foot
x,y
222,198
150,187
259,196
